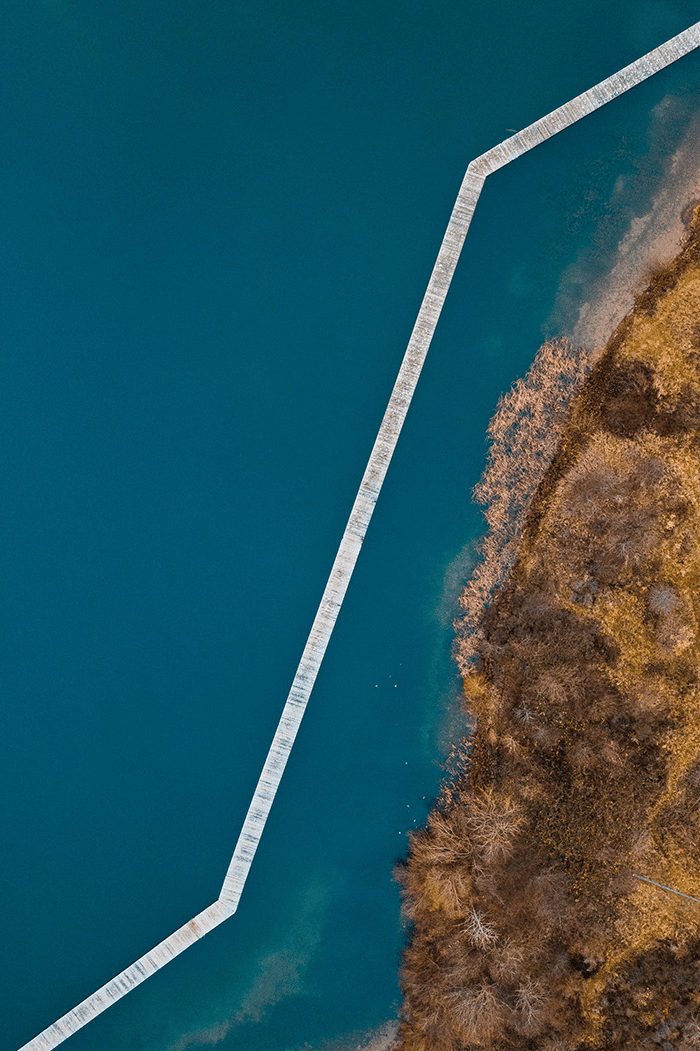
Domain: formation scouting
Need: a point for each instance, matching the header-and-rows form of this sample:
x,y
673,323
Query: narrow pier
x,y
356,528
128,979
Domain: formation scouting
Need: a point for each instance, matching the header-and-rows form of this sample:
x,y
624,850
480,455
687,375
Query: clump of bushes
x,y
529,928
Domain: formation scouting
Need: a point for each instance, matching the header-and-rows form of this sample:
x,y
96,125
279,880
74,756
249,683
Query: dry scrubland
x,y
529,929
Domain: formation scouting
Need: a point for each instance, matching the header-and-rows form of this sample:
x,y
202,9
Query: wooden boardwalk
x,y
356,528
144,967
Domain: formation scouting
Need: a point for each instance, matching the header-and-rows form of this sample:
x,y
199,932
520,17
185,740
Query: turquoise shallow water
x,y
219,222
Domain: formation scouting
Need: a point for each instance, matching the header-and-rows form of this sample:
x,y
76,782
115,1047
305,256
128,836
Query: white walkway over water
x,y
356,528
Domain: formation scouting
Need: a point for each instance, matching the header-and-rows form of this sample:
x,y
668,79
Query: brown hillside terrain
x,y
530,926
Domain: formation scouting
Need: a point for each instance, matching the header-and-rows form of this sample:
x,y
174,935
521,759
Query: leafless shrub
x,y
642,843
545,737
662,599
478,1014
596,750
507,959
511,745
445,842
426,1028
603,705
420,971
561,963
480,932
531,788
581,756
557,685
447,889
531,1004
630,398
494,821
609,752
594,486
525,715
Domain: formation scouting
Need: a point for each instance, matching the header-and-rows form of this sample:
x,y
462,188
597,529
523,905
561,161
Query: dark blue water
x,y
218,223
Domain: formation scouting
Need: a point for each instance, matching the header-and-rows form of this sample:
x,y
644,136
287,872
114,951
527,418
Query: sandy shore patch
x,y
653,237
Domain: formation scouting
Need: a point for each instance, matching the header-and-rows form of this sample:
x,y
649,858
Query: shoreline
x,y
652,240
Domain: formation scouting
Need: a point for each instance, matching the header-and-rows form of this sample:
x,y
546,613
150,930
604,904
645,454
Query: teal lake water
x,y
219,220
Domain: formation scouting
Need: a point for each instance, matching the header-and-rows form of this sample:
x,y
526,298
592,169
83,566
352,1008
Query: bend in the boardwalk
x,y
129,978
589,101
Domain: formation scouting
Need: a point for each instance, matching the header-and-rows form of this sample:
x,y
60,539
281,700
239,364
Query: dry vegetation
x,y
529,928
524,435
